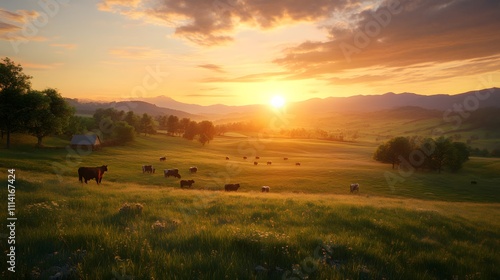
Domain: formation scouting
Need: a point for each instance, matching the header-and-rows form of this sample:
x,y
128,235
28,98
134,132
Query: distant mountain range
x,y
163,105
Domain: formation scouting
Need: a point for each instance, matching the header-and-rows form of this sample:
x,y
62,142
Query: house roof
x,y
86,140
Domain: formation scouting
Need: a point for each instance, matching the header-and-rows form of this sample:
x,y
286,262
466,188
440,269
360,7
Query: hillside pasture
x,y
429,226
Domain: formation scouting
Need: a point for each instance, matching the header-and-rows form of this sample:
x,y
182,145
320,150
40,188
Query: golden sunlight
x,y
277,101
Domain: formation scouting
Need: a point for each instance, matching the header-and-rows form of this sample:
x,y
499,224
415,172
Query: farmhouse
x,y
88,142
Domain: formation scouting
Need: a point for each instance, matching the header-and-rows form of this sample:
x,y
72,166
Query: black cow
x,y
285,158
473,182
193,169
163,158
231,187
148,169
187,183
257,157
89,173
297,163
255,163
244,157
227,158
172,172
269,162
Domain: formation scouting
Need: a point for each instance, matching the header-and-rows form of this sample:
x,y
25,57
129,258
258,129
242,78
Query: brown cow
x,y
89,173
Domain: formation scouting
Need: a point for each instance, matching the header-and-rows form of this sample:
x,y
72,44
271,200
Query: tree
x,y
183,125
147,124
206,130
393,150
47,113
172,124
123,132
13,85
133,120
191,130
457,156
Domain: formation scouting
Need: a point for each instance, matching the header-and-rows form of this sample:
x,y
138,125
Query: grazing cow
x,y
187,183
148,169
255,163
89,173
257,157
163,158
193,169
269,162
297,163
285,158
354,187
172,172
265,188
473,182
244,157
231,187
227,158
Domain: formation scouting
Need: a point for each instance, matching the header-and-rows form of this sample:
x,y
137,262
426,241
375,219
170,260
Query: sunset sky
x,y
239,52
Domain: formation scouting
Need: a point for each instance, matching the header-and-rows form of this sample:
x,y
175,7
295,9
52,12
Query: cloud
x,y
211,95
212,67
213,22
258,77
137,53
416,32
65,46
15,25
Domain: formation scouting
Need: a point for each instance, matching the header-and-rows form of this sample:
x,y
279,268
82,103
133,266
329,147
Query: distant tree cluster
x,y
204,131
22,109
428,153
121,127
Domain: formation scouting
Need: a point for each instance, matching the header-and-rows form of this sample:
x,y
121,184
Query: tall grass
x,y
430,226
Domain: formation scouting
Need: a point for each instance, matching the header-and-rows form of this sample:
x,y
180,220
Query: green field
x,y
425,226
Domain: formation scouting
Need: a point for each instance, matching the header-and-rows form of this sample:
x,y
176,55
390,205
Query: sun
x,y
277,101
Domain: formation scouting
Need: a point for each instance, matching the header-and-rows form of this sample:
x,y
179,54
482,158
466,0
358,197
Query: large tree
x,y
393,151
206,130
13,85
172,124
46,113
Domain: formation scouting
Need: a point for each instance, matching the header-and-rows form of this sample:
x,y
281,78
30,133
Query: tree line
x,y
46,112
126,124
22,109
424,153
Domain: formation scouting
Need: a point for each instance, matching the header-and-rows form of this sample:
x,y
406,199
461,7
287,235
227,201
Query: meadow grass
x,y
431,226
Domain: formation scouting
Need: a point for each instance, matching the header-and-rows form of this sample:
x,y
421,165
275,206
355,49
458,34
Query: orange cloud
x,y
65,46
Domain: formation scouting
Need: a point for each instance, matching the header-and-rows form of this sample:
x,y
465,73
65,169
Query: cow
x,y
89,173
172,172
187,183
285,158
297,163
193,169
255,163
231,187
227,158
265,188
257,157
244,157
163,158
269,162
473,182
148,169
354,187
